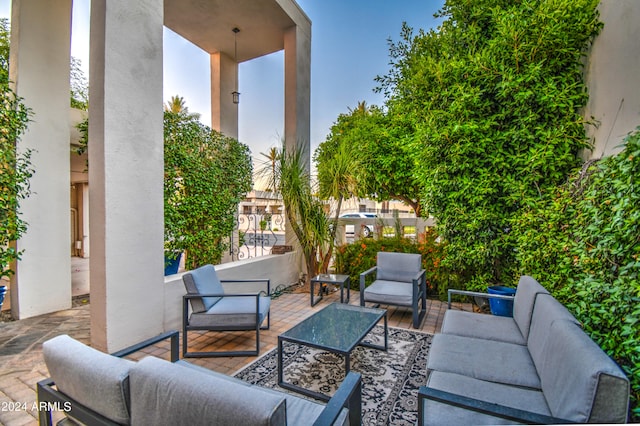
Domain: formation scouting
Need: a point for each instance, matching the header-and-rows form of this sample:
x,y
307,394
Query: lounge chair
x,y
213,309
400,280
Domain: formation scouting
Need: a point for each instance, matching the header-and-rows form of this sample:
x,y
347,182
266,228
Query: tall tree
x,y
494,96
382,165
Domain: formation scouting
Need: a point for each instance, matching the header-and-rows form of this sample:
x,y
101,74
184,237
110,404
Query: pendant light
x,y
235,93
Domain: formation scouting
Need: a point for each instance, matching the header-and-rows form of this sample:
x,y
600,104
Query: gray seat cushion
x,y
233,312
512,396
481,359
96,380
482,326
301,411
524,301
203,280
401,267
389,292
579,380
166,393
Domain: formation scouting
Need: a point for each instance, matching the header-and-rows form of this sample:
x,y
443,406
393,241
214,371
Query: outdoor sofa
x,y
538,367
101,389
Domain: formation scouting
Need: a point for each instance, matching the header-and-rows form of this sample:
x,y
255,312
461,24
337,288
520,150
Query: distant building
x,y
261,202
364,205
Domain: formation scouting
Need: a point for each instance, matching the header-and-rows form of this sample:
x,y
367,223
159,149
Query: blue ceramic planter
x,y
171,266
503,308
3,292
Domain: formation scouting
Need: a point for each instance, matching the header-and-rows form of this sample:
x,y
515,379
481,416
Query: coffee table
x,y
338,328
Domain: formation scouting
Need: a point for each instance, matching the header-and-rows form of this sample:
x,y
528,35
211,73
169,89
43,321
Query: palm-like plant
x,y
178,106
337,180
304,211
267,170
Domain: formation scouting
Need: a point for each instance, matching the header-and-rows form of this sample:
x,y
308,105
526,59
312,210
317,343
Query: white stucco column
x,y
297,88
297,92
86,249
40,57
224,113
126,172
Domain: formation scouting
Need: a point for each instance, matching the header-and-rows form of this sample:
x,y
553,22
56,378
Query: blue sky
x,y
349,48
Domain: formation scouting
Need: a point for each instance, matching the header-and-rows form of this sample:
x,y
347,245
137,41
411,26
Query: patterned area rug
x,y
390,380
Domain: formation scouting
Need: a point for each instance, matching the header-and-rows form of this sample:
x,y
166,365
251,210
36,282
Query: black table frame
x,y
347,353
334,279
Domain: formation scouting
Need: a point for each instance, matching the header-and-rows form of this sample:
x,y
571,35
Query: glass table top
x,y
337,327
330,278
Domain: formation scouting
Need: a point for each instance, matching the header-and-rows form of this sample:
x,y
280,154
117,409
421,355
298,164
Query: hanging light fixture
x,y
235,93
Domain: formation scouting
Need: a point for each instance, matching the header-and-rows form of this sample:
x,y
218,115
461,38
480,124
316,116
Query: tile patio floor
x,y
22,366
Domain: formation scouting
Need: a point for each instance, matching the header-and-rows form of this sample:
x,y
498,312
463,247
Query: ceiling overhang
x,y
209,24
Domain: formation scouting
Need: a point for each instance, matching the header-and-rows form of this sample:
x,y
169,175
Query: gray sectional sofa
x,y
99,389
537,367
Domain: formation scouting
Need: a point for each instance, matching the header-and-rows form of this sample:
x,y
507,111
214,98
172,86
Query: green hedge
x,y
584,246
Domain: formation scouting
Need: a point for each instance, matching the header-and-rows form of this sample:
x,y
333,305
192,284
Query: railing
x,y
255,235
353,229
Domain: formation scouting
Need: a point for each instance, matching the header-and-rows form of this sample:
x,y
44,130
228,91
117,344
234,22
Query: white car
x,y
367,231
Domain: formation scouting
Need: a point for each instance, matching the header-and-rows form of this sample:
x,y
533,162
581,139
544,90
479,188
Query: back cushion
x,y
170,394
203,280
579,381
523,303
546,310
398,266
96,380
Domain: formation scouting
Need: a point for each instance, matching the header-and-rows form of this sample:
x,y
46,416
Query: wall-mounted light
x,y
235,94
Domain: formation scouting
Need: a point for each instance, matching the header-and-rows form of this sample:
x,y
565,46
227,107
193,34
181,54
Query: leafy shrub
x,y
15,167
206,175
353,259
585,245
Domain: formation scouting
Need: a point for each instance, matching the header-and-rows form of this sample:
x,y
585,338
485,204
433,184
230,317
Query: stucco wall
x,y
612,75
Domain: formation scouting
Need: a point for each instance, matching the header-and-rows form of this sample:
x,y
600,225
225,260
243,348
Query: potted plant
x,y
172,260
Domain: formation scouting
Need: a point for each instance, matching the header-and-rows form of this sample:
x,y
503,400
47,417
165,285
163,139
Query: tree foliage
x,y
15,167
494,95
79,86
5,45
206,175
381,167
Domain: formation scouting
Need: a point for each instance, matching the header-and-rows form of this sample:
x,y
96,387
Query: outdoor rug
x,y
390,380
